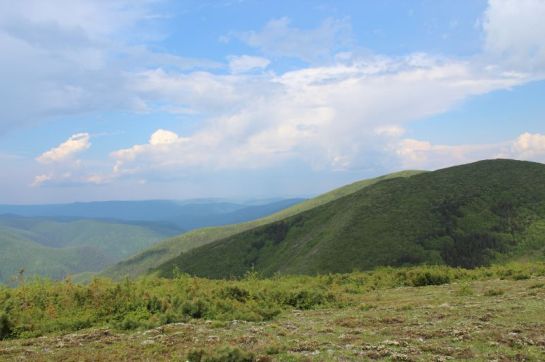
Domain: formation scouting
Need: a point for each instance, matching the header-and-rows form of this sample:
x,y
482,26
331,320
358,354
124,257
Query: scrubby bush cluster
x,y
39,307
43,306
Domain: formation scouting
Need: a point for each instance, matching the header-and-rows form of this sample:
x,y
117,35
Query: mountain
x,y
62,239
185,215
169,249
56,247
468,216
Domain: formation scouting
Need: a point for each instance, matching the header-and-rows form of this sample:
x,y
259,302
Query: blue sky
x,y
242,99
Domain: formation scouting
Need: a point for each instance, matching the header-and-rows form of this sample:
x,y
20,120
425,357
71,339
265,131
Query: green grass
x,y
468,216
415,313
166,250
61,307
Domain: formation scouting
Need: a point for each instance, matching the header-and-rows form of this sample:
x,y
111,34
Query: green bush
x,y
429,277
465,290
306,299
5,326
196,308
235,292
521,276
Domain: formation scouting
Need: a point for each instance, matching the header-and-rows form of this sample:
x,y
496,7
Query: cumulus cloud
x,y
163,137
530,146
514,33
336,116
246,63
40,179
423,154
66,150
61,164
341,111
418,154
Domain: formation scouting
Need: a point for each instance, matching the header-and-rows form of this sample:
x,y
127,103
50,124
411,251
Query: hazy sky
x,y
127,99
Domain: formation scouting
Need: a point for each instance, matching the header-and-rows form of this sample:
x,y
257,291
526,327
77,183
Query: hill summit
x,y
468,216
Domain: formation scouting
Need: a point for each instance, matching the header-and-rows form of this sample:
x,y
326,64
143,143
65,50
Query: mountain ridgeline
x,y
183,215
166,250
467,216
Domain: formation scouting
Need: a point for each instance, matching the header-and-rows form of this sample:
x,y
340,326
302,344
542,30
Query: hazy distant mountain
x,y
185,215
57,240
58,247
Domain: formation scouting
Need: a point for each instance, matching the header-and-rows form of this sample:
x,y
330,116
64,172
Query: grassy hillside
x,y
466,216
55,248
171,248
392,314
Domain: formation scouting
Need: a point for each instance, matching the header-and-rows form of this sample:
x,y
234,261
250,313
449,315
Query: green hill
x,y
467,216
58,247
166,250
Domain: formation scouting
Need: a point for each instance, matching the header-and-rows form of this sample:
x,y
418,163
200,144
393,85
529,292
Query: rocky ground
x,y
498,320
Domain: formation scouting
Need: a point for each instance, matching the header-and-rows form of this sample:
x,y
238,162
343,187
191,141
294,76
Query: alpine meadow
x,y
255,181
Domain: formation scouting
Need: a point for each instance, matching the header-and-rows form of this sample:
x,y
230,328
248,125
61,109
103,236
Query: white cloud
x,y
66,57
40,179
390,131
514,33
423,154
66,150
163,137
200,92
246,63
530,146
278,38
417,154
60,165
337,116
348,113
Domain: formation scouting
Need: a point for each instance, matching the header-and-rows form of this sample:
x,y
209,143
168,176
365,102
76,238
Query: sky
x,y
159,99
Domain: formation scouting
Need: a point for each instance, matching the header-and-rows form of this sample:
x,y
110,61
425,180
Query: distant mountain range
x,y
58,247
184,215
60,240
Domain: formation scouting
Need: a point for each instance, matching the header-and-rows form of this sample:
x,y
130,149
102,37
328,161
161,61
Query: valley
x,y
81,239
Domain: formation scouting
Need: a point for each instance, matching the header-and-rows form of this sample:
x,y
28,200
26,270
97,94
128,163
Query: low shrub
x,y
235,292
306,299
465,290
429,277
40,306
5,326
520,276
